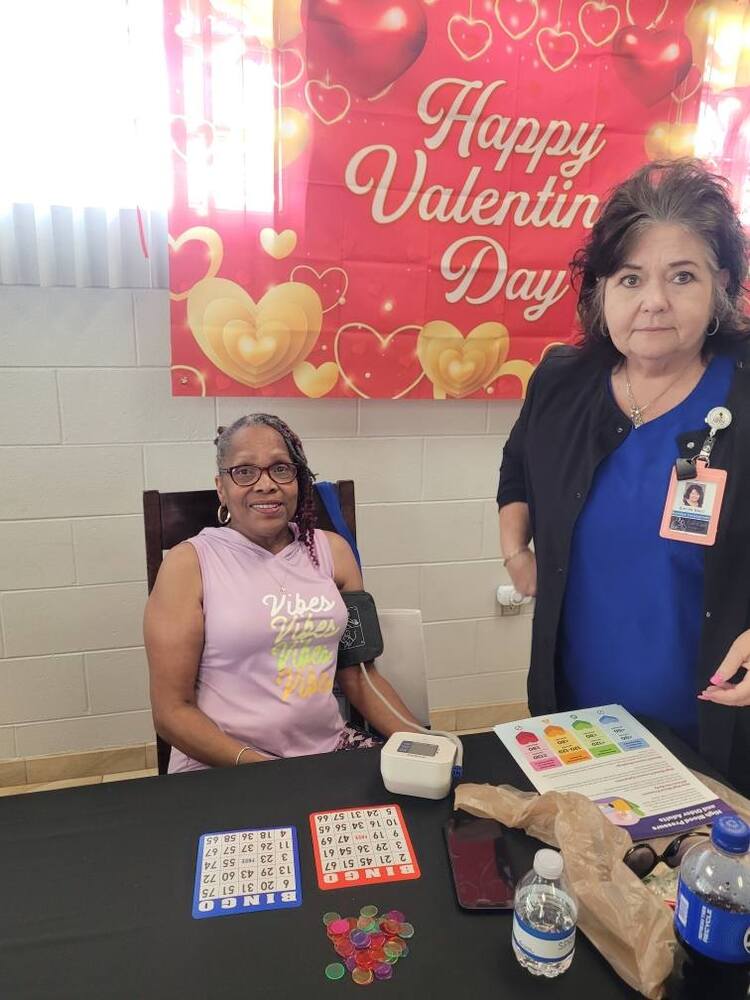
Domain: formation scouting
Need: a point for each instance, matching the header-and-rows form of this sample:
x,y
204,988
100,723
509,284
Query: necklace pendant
x,y
636,417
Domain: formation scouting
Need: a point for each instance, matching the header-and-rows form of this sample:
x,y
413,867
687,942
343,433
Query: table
x,y
96,888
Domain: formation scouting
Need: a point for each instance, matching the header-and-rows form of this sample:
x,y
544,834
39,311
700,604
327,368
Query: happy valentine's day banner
x,y
380,198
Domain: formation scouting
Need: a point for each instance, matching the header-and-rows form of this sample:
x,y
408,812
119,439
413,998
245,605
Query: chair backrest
x,y
404,660
170,518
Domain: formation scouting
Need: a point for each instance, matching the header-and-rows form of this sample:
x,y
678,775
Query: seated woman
x,y
243,624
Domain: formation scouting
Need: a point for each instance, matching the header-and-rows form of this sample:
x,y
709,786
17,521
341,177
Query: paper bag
x,y
625,922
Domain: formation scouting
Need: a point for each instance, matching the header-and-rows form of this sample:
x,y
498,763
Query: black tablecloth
x,y
96,890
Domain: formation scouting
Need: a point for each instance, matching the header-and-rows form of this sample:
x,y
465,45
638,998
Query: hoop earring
x,y
221,518
712,332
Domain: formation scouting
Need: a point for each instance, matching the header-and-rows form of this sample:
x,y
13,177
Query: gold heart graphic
x,y
278,245
184,379
283,84
292,136
457,365
215,253
552,35
317,85
459,21
601,8
670,141
254,343
384,345
201,124
316,382
523,370
320,275
516,35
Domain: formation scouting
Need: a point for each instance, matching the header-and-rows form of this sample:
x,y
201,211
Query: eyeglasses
x,y
247,475
642,858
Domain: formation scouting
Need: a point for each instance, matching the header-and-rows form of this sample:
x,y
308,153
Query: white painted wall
x,y
87,422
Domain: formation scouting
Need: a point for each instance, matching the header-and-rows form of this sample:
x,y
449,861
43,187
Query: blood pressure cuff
x,y
362,640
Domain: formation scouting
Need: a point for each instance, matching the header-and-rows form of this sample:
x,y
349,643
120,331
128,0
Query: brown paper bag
x,y
617,913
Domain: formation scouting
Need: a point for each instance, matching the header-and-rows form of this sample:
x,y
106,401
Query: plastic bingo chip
x,y
370,944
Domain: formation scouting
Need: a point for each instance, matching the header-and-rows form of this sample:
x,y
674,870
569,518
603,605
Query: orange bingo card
x,y
363,846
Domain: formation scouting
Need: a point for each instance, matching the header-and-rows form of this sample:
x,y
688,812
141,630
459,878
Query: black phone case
x,y
482,875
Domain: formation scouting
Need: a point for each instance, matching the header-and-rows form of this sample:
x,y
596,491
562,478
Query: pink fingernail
x,y
716,679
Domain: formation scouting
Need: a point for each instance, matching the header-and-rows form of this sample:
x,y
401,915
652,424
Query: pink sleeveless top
x,y
272,625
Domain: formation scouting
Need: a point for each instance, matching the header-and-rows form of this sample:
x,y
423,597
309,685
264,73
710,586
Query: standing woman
x,y
623,614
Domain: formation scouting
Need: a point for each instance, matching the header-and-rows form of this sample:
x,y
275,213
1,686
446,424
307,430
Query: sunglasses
x,y
642,858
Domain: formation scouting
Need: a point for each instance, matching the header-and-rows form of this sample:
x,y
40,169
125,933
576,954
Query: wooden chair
x,y
170,518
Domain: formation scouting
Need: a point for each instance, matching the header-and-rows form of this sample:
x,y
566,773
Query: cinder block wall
x,y
87,422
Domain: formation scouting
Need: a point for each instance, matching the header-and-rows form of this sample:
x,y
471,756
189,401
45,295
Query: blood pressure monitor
x,y
416,764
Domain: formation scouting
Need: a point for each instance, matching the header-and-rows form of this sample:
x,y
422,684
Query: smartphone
x,y
479,861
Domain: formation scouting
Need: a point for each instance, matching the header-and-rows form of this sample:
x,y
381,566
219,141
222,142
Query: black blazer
x,y
568,424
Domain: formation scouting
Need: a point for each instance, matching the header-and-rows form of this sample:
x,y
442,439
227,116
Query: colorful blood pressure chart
x,y
247,870
363,846
608,756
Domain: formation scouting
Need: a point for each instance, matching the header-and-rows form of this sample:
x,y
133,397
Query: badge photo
x,y
691,513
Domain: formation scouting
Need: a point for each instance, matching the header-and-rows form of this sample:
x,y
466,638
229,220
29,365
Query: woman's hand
x,y
719,690
522,572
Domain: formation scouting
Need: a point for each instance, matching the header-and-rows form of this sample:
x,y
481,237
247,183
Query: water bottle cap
x,y
548,864
732,834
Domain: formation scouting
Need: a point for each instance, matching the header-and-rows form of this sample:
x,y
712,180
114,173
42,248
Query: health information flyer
x,y
608,756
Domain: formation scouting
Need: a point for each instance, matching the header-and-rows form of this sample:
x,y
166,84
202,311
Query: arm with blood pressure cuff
x,y
409,766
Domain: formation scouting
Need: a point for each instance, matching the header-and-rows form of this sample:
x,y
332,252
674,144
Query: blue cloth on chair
x,y
330,497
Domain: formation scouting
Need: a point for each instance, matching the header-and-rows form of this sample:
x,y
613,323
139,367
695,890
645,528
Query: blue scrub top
x,y
633,609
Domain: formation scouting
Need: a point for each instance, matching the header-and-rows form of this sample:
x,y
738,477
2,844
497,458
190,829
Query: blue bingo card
x,y
247,870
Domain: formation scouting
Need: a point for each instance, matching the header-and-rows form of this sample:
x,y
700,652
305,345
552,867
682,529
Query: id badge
x,y
691,513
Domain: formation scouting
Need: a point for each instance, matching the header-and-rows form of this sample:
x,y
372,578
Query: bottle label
x,y
543,946
711,930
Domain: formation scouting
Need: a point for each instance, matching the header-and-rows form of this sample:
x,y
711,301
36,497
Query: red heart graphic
x,y
516,17
651,63
288,67
469,38
330,284
182,135
557,49
329,102
364,44
369,360
598,22
192,265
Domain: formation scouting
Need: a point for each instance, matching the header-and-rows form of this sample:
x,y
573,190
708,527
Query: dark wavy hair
x,y
678,192
305,515
698,489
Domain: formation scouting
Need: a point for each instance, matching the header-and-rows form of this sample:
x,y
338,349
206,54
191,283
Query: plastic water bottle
x,y
544,918
712,911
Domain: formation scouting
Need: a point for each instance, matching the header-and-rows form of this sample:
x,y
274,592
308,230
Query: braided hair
x,y
305,514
